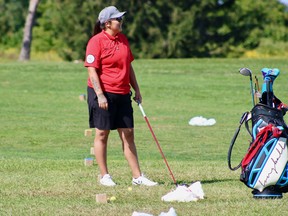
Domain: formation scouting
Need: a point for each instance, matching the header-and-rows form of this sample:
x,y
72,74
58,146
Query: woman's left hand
x,y
138,97
102,101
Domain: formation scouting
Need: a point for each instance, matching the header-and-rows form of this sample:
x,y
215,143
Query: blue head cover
x,y
269,74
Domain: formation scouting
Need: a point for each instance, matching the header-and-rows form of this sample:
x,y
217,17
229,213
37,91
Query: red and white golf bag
x,y
264,168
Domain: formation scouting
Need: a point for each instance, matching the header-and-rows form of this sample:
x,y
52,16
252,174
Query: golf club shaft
x,y
269,95
257,84
158,145
252,91
256,90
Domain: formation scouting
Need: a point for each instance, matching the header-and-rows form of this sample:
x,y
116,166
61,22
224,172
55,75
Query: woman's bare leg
x,y
129,149
100,150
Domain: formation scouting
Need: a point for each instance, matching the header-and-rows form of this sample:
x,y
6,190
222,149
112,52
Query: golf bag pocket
x,y
265,163
268,166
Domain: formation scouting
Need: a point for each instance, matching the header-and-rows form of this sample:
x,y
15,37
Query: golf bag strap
x,y
242,120
245,117
247,125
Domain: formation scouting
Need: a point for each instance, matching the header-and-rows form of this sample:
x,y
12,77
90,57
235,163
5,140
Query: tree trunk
x,y
27,36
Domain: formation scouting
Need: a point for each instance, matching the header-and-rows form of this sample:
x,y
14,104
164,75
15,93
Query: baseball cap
x,y
110,13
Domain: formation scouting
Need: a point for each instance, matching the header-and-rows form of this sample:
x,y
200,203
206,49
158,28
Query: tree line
x,y
155,28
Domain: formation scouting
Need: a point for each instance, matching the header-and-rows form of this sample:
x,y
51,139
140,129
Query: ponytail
x,y
98,27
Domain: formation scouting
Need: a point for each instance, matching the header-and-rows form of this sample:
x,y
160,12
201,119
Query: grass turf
x,y
42,142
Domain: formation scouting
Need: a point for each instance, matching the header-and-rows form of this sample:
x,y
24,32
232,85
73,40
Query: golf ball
x,y
112,198
129,188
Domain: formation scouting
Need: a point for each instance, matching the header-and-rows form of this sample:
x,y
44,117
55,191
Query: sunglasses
x,y
119,19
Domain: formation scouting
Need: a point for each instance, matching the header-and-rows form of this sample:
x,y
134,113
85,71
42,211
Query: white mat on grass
x,y
185,194
201,121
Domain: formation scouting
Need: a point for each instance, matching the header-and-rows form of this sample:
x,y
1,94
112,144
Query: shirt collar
x,y
110,36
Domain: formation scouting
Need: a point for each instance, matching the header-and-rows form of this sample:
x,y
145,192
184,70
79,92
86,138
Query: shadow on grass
x,y
213,181
189,182
219,181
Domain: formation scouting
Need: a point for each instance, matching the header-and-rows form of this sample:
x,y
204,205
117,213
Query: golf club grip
x,y
141,109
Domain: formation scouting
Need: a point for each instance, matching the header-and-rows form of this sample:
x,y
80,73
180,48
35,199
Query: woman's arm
x,y
134,84
94,78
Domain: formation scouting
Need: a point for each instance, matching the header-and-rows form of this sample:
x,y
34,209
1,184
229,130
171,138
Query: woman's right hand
x,y
102,101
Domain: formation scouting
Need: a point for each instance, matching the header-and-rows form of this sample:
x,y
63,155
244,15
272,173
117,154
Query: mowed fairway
x,y
42,142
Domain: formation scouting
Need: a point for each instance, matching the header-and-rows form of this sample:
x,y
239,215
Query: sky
x,y
284,1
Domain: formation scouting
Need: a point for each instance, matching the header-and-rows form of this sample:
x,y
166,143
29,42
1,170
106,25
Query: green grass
x,y
42,142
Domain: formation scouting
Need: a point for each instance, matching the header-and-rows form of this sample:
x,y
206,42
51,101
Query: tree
x,y
65,26
11,29
155,29
27,36
225,28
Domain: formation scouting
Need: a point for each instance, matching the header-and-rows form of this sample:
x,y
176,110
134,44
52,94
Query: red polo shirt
x,y
112,57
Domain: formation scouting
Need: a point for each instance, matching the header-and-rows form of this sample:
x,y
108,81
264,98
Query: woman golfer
x,y
110,75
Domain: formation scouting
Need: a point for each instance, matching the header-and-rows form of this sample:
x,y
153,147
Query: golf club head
x,y
245,72
248,72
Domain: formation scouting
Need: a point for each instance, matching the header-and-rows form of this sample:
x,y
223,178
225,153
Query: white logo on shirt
x,y
90,59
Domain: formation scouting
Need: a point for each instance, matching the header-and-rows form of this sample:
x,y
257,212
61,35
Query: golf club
x,y
257,90
269,75
248,72
269,92
257,84
158,145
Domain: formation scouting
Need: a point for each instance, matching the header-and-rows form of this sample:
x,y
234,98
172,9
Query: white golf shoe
x,y
142,180
106,180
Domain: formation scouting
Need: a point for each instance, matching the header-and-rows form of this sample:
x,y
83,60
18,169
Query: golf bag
x,y
264,168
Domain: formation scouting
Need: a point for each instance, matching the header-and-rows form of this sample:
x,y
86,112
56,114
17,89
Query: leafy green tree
x,y
145,27
256,20
155,29
222,28
12,19
65,26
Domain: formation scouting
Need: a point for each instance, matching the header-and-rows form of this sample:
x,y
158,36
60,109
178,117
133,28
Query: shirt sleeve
x,y
93,53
